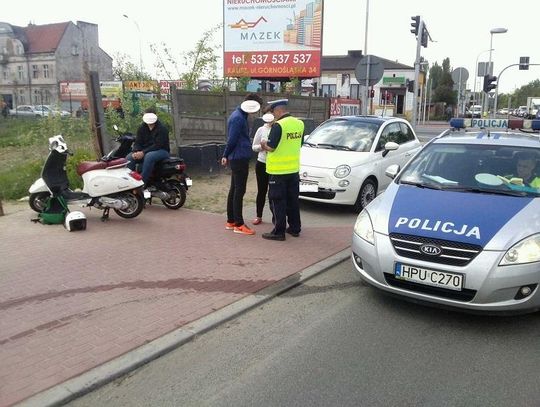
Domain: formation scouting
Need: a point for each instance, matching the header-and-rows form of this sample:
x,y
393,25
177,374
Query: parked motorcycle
x,y
168,181
107,183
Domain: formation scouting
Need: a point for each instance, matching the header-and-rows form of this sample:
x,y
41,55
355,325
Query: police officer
x,y
282,165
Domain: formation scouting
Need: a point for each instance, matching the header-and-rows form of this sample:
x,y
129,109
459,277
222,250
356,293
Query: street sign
x,y
484,68
376,70
460,75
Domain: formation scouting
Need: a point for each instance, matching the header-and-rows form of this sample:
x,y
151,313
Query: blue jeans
x,y
148,162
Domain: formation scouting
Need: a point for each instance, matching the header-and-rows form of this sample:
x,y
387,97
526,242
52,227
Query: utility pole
x,y
417,71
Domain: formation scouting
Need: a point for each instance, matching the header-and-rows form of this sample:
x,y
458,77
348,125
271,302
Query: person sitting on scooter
x,y
151,144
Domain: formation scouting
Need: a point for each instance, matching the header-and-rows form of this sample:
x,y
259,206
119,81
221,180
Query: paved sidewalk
x,y
70,302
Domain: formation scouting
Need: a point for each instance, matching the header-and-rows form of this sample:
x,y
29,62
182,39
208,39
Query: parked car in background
x,y
474,111
343,160
26,111
48,110
504,110
522,111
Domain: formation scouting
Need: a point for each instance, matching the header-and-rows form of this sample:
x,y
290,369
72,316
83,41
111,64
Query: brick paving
x,y
72,301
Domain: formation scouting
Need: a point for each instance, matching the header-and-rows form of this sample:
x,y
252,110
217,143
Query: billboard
x,y
76,90
272,38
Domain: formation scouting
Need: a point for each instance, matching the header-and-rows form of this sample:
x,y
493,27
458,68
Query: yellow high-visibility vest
x,y
285,159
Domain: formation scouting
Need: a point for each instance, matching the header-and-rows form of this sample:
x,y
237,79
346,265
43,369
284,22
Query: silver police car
x,y
459,226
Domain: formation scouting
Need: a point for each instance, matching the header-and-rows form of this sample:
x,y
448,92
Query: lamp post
x,y
140,46
365,93
499,30
476,72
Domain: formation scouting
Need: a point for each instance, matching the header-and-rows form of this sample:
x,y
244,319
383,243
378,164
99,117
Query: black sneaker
x,y
271,236
293,234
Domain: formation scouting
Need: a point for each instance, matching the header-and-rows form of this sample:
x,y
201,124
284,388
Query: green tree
x,y
442,83
520,95
200,62
125,70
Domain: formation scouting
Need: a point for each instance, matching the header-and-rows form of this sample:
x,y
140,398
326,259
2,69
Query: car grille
x,y
453,253
463,295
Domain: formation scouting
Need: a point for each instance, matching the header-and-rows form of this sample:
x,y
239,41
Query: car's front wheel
x,y
367,193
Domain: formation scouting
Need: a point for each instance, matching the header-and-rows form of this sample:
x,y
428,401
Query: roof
x,y
350,61
44,38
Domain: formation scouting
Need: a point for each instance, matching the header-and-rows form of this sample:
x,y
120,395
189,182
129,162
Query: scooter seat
x,y
86,166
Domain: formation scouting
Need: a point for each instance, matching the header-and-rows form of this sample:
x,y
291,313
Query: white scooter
x,y
106,184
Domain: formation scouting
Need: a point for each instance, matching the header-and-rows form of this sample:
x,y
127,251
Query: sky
x,y
460,29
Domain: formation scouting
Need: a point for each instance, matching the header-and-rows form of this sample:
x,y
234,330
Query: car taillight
x,y
135,175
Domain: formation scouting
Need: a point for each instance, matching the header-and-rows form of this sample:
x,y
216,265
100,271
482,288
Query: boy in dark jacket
x,y
237,154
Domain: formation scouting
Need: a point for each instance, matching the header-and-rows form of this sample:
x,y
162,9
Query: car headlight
x,y
526,251
364,228
342,171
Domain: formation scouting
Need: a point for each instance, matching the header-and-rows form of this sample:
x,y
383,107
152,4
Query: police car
x,y
343,160
457,226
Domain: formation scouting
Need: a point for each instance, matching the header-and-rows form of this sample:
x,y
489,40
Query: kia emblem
x,y
431,249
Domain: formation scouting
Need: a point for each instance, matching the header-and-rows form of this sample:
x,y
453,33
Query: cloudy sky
x,y
460,29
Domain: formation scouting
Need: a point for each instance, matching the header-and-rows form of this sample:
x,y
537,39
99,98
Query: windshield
x,y
476,168
349,135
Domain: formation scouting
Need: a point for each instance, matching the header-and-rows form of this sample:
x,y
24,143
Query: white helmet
x,y
57,143
75,221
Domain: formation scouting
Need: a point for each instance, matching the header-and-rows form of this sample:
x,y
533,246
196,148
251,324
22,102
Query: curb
x,y
109,371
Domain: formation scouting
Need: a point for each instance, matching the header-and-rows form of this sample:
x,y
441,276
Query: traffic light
x,y
415,24
488,83
425,36
372,93
410,86
523,63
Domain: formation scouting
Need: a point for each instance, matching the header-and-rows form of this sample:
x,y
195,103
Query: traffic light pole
x,y
417,73
499,80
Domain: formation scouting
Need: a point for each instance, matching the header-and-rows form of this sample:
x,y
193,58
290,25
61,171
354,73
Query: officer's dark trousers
x,y
283,191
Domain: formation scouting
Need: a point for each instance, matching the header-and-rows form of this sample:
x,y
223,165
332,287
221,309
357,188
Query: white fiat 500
x,y
459,226
344,159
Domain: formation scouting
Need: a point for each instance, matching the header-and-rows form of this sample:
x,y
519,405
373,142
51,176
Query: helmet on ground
x,y
75,221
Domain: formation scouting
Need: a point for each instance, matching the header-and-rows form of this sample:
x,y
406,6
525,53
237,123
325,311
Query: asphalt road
x,y
337,342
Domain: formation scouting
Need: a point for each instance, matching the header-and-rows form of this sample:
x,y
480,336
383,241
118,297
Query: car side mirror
x,y
390,146
392,171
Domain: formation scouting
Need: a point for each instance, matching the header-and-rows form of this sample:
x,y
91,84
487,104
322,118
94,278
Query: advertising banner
x,y
344,107
77,90
72,91
272,38
165,86
111,89
141,86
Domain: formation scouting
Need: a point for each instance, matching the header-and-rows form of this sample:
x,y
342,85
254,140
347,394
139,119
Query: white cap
x,y
149,118
250,106
268,117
